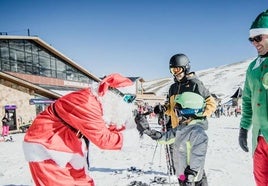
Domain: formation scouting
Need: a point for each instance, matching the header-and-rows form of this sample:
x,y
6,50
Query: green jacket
x,y
254,101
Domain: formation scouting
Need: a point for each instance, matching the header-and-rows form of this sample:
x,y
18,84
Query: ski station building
x,y
33,74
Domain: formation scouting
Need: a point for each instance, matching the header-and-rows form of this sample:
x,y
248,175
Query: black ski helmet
x,y
180,60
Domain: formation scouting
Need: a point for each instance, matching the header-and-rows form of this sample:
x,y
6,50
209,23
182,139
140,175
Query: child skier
x,y
190,140
185,83
190,145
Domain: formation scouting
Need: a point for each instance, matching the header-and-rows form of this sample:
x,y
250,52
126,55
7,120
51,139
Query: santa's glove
x,y
142,123
159,109
154,134
243,136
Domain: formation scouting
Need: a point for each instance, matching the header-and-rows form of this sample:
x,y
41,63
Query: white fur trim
x,y
116,111
131,139
35,152
257,31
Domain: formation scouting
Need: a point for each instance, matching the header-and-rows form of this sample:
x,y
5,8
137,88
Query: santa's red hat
x,y
113,81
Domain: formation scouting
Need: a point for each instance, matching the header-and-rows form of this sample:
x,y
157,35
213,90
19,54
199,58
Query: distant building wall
x,y
48,80
11,96
152,100
35,62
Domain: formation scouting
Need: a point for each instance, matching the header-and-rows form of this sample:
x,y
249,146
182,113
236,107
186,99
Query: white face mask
x,y
116,111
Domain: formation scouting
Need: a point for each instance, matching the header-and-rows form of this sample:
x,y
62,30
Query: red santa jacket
x,y
49,138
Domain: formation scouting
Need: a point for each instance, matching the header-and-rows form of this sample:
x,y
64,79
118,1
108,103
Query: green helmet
x,y
189,104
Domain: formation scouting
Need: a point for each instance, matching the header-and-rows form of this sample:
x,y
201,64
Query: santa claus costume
x,y
53,144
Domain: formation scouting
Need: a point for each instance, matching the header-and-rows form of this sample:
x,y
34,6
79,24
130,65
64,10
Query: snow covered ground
x,y
226,163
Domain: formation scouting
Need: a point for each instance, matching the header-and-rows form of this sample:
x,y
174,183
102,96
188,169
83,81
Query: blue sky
x,y
137,38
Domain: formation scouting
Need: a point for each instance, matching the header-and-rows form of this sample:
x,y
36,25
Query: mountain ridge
x,y
222,81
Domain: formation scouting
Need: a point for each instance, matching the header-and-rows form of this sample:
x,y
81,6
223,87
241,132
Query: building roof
x,y
52,50
14,82
238,93
133,79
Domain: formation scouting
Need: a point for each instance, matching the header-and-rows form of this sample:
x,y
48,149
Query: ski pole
x,y
170,165
168,161
154,152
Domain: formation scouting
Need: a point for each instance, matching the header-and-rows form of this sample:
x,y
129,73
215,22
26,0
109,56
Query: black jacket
x,y
190,83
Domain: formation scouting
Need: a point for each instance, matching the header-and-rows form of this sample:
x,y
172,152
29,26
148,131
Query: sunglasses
x,y
257,39
176,70
128,98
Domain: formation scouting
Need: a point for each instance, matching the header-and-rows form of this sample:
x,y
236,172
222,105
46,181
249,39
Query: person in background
x,y
255,100
5,125
101,114
187,82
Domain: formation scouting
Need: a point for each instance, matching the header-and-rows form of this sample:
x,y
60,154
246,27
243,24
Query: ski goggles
x,y
176,70
257,38
188,112
128,98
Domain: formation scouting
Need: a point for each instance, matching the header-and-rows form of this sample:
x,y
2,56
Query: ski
x,y
7,139
156,181
138,183
161,180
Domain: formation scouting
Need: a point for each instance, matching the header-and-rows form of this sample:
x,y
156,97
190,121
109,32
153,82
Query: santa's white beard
x,y
116,111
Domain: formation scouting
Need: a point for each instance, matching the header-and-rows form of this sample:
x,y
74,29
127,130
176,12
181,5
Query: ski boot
x,y
187,179
203,181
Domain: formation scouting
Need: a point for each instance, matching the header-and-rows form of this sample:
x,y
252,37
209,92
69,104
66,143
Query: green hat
x,y
260,25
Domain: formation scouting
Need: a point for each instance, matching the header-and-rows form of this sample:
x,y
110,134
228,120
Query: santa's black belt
x,y
77,132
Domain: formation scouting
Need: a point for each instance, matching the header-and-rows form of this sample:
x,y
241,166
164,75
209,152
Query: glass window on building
x,y
35,59
29,69
28,47
26,56
29,63
61,69
53,63
53,73
45,72
70,73
13,60
35,48
17,61
45,69
53,66
17,44
21,61
36,70
5,65
3,43
83,78
4,53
